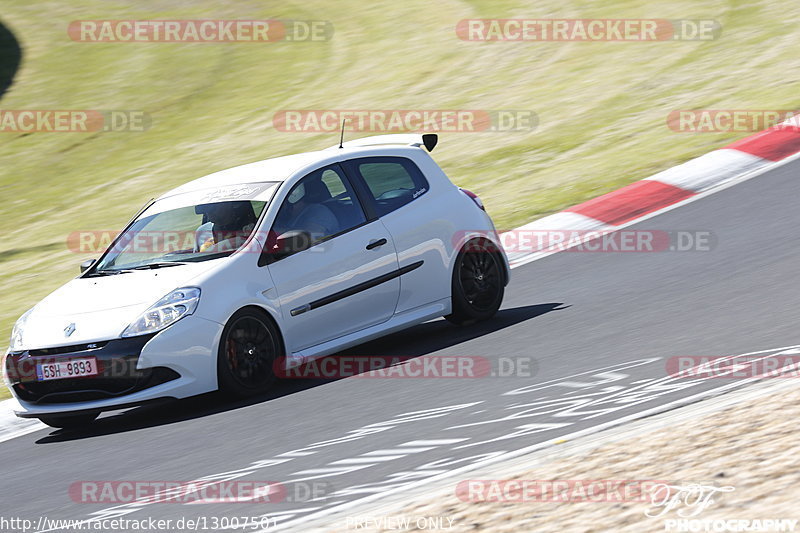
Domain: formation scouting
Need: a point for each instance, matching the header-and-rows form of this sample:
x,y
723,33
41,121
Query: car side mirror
x,y
292,242
285,245
86,265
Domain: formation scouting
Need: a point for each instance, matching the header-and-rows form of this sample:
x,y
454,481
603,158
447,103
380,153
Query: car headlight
x,y
168,310
16,334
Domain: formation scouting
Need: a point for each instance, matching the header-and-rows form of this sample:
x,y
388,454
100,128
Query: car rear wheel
x,y
69,421
248,349
478,284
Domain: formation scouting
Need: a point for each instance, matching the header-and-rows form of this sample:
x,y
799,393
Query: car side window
x,y
392,181
322,204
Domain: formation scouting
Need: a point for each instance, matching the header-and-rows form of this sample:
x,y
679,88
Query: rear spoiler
x,y
428,140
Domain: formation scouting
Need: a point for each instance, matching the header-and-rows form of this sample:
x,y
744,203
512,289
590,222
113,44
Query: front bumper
x,y
177,362
118,374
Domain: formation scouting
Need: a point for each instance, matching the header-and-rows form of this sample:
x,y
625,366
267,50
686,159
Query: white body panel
x,y
331,267
101,308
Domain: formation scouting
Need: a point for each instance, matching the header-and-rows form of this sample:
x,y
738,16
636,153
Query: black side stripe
x,y
355,289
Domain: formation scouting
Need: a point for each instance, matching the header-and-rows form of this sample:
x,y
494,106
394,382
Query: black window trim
x,y
363,191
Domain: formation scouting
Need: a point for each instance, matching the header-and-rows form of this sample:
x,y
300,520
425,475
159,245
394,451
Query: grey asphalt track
x,y
569,313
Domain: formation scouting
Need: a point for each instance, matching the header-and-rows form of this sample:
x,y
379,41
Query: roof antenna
x,y
341,139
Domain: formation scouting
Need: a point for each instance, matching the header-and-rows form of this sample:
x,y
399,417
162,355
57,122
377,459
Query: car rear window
x,y
392,181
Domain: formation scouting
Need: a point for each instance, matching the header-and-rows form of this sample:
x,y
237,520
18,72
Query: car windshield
x,y
189,227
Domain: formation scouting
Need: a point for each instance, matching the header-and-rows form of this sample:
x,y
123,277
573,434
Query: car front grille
x,y
118,375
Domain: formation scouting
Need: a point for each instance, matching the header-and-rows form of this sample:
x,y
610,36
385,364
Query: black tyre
x,y
69,421
478,283
248,349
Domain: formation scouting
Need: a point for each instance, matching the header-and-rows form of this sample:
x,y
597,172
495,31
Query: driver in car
x,y
226,226
304,211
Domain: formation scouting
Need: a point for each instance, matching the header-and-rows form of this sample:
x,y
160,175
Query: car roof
x,y
278,169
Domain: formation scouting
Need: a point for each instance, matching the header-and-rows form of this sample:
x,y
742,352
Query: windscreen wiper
x,y
98,273
151,266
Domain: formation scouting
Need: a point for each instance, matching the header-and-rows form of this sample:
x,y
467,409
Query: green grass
x,y
602,106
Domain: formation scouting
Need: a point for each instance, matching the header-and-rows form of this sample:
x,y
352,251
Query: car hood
x,y
99,308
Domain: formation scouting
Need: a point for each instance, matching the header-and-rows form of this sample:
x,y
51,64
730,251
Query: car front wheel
x,y
477,285
248,349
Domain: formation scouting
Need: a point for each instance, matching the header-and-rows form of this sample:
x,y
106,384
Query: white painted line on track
x,y
508,455
526,450
439,442
396,451
560,449
373,459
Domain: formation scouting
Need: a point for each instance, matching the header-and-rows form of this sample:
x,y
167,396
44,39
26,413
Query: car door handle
x,y
375,244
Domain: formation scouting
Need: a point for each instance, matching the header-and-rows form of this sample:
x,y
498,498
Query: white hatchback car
x,y
288,259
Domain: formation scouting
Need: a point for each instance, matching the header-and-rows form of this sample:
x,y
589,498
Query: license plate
x,y
74,368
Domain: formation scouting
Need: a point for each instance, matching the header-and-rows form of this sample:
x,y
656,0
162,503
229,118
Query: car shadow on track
x,y
417,341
